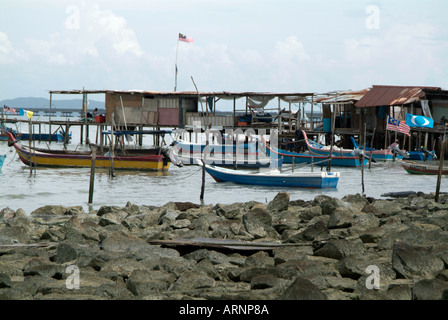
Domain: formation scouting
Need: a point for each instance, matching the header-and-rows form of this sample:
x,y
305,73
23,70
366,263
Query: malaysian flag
x,y
12,110
185,38
396,125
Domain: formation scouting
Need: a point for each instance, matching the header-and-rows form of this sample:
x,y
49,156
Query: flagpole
x,y
175,71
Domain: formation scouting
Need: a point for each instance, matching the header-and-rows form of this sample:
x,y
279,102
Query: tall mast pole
x,y
175,71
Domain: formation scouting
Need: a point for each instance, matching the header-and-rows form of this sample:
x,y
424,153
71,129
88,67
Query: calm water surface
x,y
70,187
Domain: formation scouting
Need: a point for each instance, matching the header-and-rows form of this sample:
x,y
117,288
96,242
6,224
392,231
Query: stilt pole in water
x,y
362,159
92,174
439,176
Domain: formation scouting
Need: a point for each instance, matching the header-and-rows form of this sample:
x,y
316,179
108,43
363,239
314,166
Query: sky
x,y
293,46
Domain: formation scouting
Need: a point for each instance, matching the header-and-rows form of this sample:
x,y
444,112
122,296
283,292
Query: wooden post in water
x,y
439,176
67,134
236,151
333,119
201,196
371,147
3,127
362,158
92,174
111,150
32,151
206,148
49,118
394,152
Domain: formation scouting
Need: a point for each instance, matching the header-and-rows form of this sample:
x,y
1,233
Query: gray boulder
x,y
279,203
413,262
303,289
430,289
340,248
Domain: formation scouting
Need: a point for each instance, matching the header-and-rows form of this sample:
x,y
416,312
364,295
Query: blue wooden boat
x,y
58,137
230,162
380,154
275,178
421,155
308,158
184,147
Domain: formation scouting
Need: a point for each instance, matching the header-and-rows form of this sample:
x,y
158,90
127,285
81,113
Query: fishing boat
x,y
2,159
317,148
225,156
242,155
275,178
291,157
419,168
155,160
184,147
56,137
381,154
231,162
421,155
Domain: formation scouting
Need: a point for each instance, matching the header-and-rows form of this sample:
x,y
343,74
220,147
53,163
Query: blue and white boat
x,y
184,147
59,137
381,154
275,178
241,155
231,162
421,155
290,157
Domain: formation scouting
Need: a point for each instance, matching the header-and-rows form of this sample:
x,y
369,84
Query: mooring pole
x,y
92,174
363,157
371,147
439,176
111,149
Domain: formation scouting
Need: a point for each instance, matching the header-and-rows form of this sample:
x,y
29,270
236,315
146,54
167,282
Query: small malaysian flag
x,y
185,38
396,125
12,110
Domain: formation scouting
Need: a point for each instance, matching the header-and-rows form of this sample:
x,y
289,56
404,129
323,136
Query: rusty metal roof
x,y
392,95
186,93
343,97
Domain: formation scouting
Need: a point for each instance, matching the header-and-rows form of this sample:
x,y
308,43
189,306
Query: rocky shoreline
x,y
354,248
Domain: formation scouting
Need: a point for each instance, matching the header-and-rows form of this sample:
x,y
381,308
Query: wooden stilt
x,y
439,176
92,174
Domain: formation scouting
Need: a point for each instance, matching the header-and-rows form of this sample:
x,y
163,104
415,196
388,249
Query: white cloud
x,y
6,49
87,32
403,53
105,23
290,51
5,44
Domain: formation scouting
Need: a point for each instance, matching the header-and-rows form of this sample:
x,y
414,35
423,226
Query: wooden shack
x,y
396,101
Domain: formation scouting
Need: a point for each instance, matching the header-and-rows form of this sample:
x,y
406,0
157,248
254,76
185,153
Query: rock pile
x,y
328,248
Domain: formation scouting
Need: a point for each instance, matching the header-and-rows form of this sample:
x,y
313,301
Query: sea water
x,y
32,189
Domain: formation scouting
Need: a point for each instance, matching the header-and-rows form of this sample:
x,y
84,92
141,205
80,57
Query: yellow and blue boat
x,y
152,160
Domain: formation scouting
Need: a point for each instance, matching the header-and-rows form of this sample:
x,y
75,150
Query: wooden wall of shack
x,y
149,110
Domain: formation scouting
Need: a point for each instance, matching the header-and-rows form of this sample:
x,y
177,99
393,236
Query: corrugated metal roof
x,y
185,93
391,96
343,97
